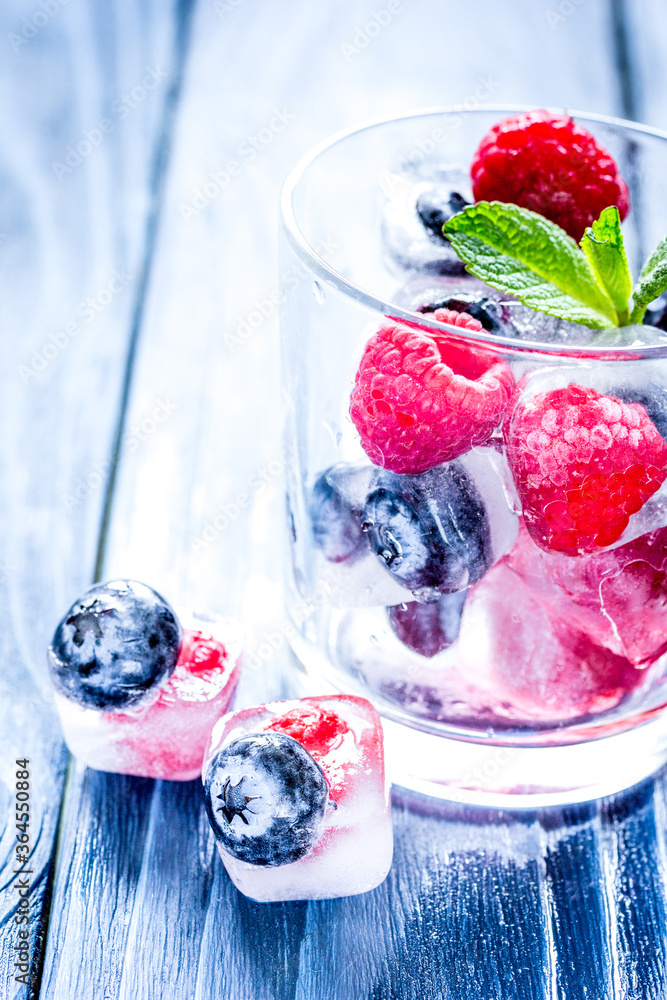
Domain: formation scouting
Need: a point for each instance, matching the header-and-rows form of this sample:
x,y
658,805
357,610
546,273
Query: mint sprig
x,y
652,281
603,248
521,252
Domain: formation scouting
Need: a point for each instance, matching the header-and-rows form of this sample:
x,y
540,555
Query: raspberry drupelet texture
x,y
548,164
582,463
420,399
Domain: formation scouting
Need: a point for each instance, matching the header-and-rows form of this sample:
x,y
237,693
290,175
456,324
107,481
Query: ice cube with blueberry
x,y
345,568
138,688
414,213
439,531
468,294
297,798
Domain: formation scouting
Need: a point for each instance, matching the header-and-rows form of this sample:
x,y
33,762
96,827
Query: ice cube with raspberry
x,y
617,596
533,659
297,798
138,687
583,461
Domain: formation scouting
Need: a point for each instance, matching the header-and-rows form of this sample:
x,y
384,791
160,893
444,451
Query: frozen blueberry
x,y
428,628
435,207
336,503
430,530
265,797
491,314
114,645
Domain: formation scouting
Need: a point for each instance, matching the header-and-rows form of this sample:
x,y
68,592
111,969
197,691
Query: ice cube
x,y
413,217
166,737
298,798
513,642
617,596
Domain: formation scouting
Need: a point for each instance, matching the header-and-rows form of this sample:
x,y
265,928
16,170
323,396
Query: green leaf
x,y
603,246
521,252
652,281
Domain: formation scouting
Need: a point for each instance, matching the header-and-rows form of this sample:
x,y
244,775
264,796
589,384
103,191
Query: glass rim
x,y
505,345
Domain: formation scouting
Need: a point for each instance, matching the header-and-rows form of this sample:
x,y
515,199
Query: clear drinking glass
x,y
554,688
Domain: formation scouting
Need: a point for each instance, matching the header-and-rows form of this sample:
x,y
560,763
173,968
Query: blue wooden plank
x,y
100,866
576,904
635,861
83,96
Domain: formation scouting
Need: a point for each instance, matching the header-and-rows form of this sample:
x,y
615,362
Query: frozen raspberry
x,y
420,399
200,652
582,463
546,163
316,729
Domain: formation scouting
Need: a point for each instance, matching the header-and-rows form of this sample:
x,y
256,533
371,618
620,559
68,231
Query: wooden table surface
x,y
132,410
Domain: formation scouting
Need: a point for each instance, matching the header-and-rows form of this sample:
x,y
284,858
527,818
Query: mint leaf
x,y
652,281
521,252
603,247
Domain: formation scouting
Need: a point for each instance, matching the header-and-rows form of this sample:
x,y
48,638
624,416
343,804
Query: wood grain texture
x,y
72,241
477,905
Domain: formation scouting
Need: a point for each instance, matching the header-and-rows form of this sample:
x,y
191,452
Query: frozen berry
x,y
336,503
420,399
548,164
115,645
428,628
582,463
435,207
265,797
200,652
431,531
316,729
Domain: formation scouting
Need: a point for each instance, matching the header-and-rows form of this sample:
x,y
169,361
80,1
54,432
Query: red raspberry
x,y
420,399
200,652
582,463
548,164
315,728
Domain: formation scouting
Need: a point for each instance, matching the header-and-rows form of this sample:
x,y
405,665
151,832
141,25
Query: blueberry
x,y
114,645
430,530
436,206
336,503
265,797
428,628
491,314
